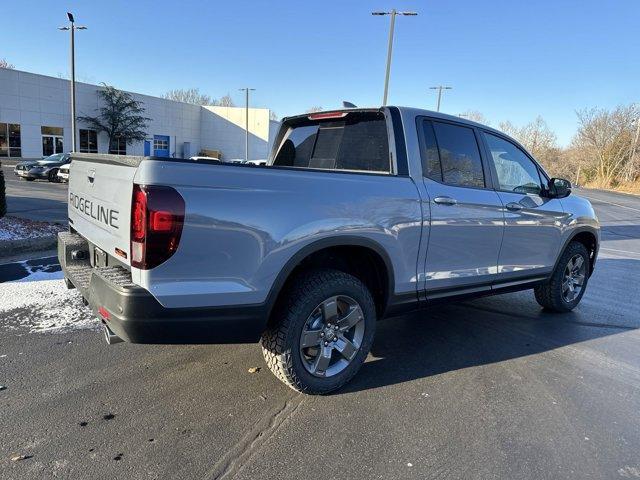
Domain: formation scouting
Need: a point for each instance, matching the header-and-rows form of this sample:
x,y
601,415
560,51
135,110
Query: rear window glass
x,y
356,142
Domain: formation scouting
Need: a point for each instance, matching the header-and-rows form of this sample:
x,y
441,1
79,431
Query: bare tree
x,y
538,139
226,101
313,109
5,64
633,165
273,115
606,136
190,95
475,116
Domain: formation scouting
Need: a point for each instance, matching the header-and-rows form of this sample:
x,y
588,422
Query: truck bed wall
x,y
243,224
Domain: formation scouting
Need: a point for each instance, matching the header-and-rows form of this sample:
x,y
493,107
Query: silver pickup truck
x,y
359,214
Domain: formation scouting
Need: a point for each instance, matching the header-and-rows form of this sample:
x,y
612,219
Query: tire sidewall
x,y
354,289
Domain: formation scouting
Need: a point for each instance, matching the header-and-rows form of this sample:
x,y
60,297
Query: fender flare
x,y
321,244
571,237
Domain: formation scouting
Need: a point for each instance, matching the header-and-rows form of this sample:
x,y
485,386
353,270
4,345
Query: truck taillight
x,y
157,216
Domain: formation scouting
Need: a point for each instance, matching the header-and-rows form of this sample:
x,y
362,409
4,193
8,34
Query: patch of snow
x,y
13,228
43,306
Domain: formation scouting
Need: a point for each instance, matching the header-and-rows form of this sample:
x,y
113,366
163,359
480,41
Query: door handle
x,y
445,200
514,207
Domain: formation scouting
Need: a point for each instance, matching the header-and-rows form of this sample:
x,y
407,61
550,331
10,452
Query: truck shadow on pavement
x,y
495,329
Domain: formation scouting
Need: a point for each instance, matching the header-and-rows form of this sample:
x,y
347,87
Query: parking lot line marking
x,y
615,204
620,251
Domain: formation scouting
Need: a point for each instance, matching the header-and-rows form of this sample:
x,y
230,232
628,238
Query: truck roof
x,y
410,111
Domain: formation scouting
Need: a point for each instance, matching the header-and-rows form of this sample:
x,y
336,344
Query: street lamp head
x,y
64,28
70,17
80,27
410,14
380,13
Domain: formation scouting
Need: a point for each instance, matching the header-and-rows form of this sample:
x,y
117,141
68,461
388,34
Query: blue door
x,y
161,145
147,148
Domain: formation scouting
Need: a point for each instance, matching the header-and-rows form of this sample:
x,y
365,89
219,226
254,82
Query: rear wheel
x,y
322,332
565,288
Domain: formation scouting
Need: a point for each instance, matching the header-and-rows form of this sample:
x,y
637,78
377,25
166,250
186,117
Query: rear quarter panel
x,y
243,224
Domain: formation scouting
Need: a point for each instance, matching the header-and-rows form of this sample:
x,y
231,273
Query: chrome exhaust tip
x,y
109,336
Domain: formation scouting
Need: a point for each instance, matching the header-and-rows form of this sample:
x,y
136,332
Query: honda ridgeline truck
x,y
359,214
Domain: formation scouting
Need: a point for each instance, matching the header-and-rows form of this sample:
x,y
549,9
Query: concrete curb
x,y
9,248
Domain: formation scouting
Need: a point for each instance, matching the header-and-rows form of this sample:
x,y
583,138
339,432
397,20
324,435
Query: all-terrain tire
x,y
281,341
549,294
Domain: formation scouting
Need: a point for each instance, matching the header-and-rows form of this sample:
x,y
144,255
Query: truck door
x,y
533,221
467,221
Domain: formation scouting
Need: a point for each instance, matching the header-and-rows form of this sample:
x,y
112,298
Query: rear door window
x,y
357,142
459,153
431,166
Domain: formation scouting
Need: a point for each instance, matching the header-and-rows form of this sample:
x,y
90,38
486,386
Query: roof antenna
x,y
346,104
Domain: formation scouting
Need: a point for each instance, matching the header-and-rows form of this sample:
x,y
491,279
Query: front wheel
x,y
564,290
321,333
53,176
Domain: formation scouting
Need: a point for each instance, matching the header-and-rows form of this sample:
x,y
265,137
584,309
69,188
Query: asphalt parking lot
x,y
45,201
490,388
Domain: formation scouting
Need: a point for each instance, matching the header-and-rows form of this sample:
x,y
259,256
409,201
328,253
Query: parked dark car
x,y
45,169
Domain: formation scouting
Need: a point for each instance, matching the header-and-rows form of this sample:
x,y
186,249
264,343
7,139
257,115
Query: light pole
x,y
440,88
72,28
393,14
246,90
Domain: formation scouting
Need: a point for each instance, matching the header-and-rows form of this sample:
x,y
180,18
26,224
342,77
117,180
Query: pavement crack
x,y
236,458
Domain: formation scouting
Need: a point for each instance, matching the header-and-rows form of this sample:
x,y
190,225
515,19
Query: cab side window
x,y
516,172
451,155
431,167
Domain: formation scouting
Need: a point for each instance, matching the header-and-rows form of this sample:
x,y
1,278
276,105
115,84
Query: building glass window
x,y
52,140
118,146
10,143
58,131
88,141
160,144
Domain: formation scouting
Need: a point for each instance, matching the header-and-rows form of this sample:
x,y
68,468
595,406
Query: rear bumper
x,y
135,315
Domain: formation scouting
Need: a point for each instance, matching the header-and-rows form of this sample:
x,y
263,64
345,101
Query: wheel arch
x,y
589,238
342,254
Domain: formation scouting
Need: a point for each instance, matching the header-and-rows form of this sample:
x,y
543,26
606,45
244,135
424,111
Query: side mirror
x,y
559,188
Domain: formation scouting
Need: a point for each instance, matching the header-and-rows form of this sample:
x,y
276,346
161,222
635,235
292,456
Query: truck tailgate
x,y
100,203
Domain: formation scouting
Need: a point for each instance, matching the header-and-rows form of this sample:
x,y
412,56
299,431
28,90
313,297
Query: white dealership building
x,y
35,121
